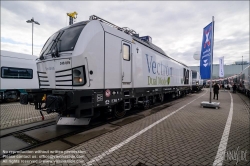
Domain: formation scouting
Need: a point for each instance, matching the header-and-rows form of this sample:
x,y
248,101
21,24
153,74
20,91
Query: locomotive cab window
x,y
16,73
126,52
186,76
69,38
64,40
194,75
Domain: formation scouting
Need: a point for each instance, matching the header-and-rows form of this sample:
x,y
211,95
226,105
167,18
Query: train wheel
x,y
153,100
182,93
12,96
119,110
146,104
161,97
12,99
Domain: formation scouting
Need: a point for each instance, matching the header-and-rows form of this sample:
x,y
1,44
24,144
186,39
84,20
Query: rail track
x,y
28,129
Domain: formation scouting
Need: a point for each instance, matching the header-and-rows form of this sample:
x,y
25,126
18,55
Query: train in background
x,y
18,72
241,80
103,69
197,82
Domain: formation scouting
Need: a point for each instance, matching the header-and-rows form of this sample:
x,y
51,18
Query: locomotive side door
x,y
126,63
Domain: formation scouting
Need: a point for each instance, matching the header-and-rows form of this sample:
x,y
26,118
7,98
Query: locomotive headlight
x,y
78,76
77,79
76,72
197,83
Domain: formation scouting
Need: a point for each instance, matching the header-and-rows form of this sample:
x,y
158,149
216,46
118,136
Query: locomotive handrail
x,y
128,31
88,69
124,29
94,17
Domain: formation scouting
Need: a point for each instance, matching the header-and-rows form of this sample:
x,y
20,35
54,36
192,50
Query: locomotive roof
x,y
148,44
17,55
75,24
151,45
155,48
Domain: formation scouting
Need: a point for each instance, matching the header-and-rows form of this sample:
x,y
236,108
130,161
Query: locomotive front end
x,y
64,74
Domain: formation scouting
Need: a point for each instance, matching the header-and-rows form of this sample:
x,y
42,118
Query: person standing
x,y
234,88
216,90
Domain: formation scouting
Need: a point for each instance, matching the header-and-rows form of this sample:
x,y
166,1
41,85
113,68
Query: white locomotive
x,y
197,82
94,66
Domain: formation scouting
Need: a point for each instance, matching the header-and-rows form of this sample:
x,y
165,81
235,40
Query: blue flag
x,y
206,52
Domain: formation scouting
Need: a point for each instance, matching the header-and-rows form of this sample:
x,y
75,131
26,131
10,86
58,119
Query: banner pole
x,y
223,74
211,60
224,83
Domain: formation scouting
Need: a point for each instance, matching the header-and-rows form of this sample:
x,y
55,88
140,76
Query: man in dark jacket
x,y
216,90
234,88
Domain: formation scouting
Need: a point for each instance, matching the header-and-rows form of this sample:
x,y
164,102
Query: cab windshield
x,y
194,75
64,40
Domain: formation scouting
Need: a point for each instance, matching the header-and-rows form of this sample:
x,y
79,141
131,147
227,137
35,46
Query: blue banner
x,y
206,52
